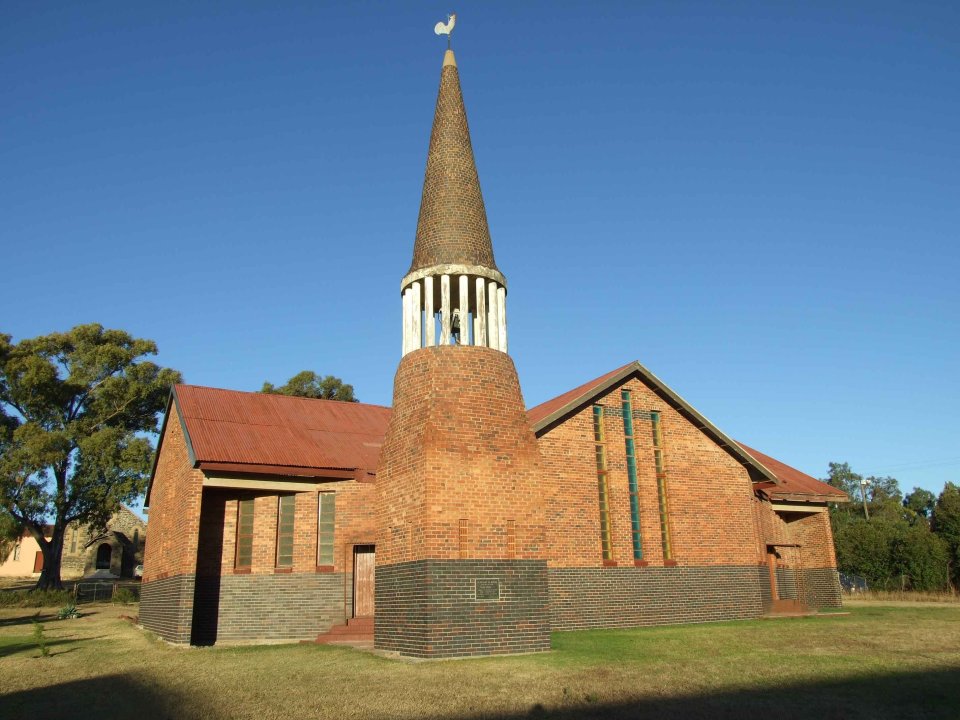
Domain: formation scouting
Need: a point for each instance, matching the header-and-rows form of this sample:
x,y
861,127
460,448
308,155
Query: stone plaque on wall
x,y
488,589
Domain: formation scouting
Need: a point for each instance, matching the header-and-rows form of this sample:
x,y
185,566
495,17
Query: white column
x,y
493,326
408,320
444,309
431,334
502,316
481,338
464,310
417,317
403,322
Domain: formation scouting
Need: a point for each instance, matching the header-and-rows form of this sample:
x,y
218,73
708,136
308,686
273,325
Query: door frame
x,y
366,549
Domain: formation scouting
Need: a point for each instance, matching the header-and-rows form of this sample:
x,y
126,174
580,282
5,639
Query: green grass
x,y
34,598
877,662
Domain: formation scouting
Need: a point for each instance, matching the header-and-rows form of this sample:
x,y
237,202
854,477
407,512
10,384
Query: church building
x,y
460,522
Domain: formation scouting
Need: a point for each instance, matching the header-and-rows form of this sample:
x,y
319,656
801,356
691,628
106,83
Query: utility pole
x,y
863,494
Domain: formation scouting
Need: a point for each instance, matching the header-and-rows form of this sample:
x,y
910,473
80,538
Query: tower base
x,y
460,608
461,569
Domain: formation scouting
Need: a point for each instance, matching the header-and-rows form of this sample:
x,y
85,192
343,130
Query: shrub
x,y
68,612
39,639
35,598
123,596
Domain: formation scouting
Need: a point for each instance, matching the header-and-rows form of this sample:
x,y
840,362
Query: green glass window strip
x,y
285,515
627,412
661,485
244,533
601,455
325,528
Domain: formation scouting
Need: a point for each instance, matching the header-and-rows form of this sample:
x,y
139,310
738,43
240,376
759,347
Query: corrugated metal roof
x,y
249,428
541,411
792,481
276,434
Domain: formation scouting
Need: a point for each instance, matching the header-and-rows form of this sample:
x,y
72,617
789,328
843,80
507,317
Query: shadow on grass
x,y
107,696
27,619
923,695
28,645
932,695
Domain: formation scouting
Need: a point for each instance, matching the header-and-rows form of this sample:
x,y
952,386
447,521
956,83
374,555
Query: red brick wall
x,y
709,493
810,531
174,515
354,525
459,447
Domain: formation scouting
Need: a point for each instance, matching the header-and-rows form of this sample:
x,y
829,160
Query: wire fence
x,y
103,591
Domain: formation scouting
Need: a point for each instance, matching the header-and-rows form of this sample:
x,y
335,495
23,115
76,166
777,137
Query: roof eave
x,y
172,400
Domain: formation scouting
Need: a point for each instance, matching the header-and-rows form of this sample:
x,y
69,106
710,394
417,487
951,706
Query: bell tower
x,y
461,566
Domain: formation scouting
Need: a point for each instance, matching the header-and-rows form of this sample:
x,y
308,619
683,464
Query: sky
x,y
759,201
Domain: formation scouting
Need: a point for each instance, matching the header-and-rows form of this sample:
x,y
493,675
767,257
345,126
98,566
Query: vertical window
x,y
244,534
73,540
285,530
601,453
16,551
632,474
661,484
325,528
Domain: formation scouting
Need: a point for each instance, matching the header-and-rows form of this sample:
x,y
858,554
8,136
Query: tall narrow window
x,y
632,474
73,540
285,531
325,528
244,533
601,453
661,484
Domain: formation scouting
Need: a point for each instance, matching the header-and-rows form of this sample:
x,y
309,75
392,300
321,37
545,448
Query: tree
x,y
75,412
921,502
10,531
882,494
946,523
307,383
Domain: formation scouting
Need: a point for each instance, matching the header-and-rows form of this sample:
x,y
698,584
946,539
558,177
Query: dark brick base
x,y
822,588
244,608
166,607
458,608
627,597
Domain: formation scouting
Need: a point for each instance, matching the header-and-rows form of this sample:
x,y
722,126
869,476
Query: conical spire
x,y
452,228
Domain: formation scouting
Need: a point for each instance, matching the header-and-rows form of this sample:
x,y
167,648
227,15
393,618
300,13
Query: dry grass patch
x,y
878,662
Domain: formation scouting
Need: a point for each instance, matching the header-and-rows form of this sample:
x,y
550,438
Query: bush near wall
x,y
892,554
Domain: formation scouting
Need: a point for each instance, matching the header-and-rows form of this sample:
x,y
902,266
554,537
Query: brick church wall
x,y
713,573
264,602
166,596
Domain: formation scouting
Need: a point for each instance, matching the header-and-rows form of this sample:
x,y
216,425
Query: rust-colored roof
x,y
233,431
784,482
256,429
543,410
452,227
791,481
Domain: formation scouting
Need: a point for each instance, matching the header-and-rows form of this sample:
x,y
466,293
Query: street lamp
x,y
863,494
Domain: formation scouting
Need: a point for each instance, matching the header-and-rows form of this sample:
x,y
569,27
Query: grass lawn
x,y
877,662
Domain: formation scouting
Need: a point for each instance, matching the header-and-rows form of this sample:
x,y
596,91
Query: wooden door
x,y
38,561
364,569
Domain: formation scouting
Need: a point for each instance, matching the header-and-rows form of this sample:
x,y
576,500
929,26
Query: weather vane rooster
x,y
447,27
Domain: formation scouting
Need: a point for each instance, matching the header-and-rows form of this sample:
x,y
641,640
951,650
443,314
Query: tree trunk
x,y
52,557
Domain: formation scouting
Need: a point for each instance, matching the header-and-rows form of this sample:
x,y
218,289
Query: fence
x,y
88,592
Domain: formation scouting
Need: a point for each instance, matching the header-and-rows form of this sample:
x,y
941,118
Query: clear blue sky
x,y
760,201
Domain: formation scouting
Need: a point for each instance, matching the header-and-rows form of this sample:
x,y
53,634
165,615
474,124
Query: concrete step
x,y
356,630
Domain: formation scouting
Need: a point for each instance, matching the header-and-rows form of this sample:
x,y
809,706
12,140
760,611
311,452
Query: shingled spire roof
x,y
452,228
